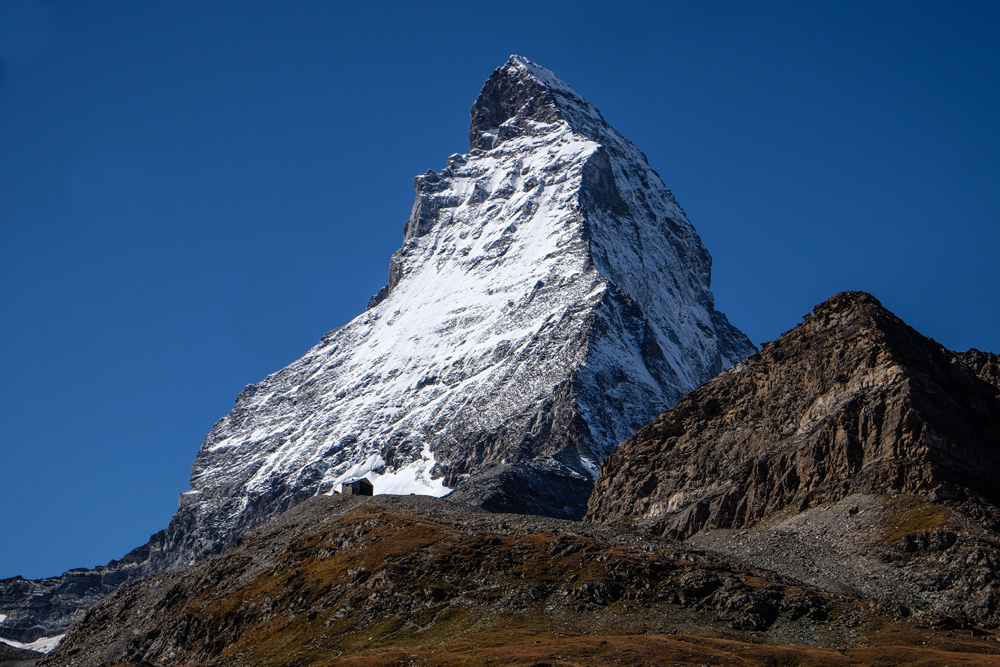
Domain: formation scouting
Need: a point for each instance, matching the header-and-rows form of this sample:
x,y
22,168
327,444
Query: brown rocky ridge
x,y
852,454
420,581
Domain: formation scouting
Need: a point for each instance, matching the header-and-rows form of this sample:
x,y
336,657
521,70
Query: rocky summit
x,y
550,298
853,454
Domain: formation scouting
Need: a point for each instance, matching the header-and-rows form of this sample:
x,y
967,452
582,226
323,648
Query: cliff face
x,y
550,298
851,401
852,421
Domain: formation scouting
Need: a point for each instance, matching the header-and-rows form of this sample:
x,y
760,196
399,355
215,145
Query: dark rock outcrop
x,y
529,489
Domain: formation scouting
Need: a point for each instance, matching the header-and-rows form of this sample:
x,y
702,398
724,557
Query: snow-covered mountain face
x,y
550,298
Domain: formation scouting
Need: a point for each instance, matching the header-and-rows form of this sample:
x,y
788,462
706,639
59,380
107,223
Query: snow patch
x,y
412,478
366,468
591,467
42,645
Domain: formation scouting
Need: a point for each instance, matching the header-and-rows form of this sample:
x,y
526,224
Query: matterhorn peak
x,y
550,297
522,97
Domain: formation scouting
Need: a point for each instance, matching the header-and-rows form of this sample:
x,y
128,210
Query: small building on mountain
x,y
358,487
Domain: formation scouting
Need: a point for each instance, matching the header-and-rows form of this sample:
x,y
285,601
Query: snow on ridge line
x,y
534,234
41,645
543,75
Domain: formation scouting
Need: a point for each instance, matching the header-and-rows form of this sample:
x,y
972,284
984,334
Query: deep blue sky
x,y
192,194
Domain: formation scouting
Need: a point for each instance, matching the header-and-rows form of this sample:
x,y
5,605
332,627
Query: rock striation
x,y
851,439
550,298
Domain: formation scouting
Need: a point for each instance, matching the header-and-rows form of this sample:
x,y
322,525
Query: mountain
x,y
853,453
422,581
549,299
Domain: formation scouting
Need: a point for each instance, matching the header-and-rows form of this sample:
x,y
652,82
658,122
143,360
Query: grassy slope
x,y
382,584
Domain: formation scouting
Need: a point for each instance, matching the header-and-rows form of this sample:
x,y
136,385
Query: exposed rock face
x,y
550,298
45,607
852,420
423,581
851,401
985,365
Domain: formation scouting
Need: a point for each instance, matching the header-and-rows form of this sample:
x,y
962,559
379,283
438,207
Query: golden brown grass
x,y
525,649
293,614
914,520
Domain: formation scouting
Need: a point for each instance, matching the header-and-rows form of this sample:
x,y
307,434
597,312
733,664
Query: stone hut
x,y
358,487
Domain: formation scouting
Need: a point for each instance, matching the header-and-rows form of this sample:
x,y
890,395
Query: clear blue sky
x,y
193,193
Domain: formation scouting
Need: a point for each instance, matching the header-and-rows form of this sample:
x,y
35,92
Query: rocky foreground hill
x,y
421,581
